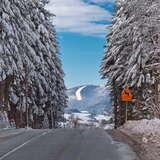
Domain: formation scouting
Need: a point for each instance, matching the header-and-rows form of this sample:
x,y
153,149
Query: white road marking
x,y
78,93
20,146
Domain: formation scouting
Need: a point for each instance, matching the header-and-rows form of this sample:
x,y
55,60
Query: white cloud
x,y
79,17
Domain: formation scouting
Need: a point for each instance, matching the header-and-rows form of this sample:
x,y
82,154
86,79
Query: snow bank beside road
x,y
4,123
147,134
147,127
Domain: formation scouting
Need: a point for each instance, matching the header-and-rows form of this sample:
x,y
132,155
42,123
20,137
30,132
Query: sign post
x,y
126,111
126,97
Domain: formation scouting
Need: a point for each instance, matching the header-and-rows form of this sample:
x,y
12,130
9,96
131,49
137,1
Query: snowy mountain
x,y
91,98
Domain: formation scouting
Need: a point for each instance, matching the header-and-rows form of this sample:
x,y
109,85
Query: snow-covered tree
x,y
131,51
29,50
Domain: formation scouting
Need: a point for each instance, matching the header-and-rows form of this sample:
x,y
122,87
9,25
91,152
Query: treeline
x,y
132,58
29,51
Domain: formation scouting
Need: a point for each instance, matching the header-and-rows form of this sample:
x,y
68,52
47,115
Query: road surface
x,y
63,144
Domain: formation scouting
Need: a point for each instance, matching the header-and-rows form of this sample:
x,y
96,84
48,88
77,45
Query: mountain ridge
x,y
92,98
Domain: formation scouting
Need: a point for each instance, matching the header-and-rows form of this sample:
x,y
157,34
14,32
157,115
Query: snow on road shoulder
x,y
147,134
126,152
147,127
4,122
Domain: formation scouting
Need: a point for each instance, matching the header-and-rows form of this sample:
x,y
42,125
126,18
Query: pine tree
x,y
28,49
131,51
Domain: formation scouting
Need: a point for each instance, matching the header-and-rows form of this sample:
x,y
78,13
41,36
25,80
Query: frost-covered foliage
x,y
132,55
29,50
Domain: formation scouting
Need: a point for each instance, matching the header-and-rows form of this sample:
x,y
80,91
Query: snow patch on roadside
x,y
4,122
147,127
126,152
108,126
147,133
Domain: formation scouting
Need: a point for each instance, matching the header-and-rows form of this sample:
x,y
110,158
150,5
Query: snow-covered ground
x,y
83,117
87,119
4,123
146,133
146,127
102,117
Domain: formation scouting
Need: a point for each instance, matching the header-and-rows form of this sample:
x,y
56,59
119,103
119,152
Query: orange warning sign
x,y
126,95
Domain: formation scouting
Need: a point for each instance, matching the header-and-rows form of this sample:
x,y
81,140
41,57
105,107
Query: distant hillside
x,y
94,99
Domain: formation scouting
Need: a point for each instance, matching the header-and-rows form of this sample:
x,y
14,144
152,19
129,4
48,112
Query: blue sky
x,y
81,27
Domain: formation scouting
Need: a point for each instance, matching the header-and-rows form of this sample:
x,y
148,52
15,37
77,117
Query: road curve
x,y
64,144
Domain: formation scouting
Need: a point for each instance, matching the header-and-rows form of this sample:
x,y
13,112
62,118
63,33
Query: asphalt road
x,y
64,144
